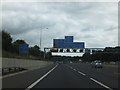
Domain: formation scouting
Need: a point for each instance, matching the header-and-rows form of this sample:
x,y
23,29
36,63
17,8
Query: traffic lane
x,y
110,71
103,75
23,80
113,70
64,77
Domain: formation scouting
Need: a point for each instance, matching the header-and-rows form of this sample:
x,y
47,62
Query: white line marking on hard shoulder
x,y
81,73
101,84
32,85
13,74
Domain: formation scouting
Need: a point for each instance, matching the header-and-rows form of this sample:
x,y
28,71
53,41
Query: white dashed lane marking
x,y
81,73
101,84
92,79
74,69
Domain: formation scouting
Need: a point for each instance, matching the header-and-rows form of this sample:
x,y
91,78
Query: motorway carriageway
x,y
74,75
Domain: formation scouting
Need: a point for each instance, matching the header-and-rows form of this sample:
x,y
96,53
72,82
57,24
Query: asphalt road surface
x,y
74,75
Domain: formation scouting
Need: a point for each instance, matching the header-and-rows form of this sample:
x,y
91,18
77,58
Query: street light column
x,y
41,40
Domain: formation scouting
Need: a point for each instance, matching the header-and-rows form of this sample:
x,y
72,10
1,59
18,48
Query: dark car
x,y
97,64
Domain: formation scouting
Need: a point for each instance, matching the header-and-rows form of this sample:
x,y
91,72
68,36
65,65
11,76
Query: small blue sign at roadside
x,y
23,48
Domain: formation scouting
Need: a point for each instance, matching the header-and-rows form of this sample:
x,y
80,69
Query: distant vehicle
x,y
80,60
97,64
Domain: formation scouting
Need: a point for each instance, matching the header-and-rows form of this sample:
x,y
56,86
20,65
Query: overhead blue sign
x,y
67,43
23,48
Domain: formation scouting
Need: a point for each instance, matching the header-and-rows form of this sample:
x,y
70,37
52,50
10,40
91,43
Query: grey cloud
x,y
70,8
87,28
85,21
111,28
88,36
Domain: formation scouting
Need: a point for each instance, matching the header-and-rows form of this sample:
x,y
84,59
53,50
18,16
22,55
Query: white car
x,y
97,64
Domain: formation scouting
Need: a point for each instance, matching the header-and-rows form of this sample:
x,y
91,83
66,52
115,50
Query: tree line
x,y
13,46
107,55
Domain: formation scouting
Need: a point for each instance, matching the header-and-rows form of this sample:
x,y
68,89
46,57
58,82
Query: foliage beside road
x,y
107,55
10,48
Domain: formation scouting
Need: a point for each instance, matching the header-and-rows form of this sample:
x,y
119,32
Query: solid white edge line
x,y
33,84
101,84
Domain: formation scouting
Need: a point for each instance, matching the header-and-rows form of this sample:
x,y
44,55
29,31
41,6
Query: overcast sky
x,y
95,23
